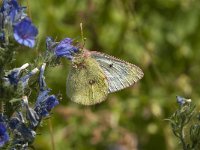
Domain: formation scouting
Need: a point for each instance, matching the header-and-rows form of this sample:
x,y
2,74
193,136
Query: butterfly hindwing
x,y
120,74
87,83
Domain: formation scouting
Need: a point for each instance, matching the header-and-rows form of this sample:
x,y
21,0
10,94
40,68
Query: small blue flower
x,y
42,82
24,80
31,115
180,100
50,44
14,75
14,8
43,94
12,11
45,106
13,123
4,137
51,102
14,3
9,5
23,134
25,32
2,37
66,49
3,118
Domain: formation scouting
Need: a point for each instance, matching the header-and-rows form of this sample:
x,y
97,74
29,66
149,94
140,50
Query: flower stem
x,y
182,138
1,107
51,133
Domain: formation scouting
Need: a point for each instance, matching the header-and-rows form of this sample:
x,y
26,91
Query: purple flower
x,y
51,102
24,80
44,107
43,94
66,49
13,77
14,8
3,118
9,5
2,36
13,123
31,115
12,11
181,100
25,32
4,137
23,135
50,44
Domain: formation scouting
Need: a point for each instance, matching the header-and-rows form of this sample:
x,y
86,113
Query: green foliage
x,y
162,37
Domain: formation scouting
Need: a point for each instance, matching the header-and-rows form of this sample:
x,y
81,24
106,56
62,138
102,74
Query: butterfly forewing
x,y
86,83
120,74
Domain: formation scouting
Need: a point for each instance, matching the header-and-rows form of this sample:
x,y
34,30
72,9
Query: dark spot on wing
x,y
91,82
110,65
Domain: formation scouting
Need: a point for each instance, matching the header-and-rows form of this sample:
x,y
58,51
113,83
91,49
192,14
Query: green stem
x,y
51,133
182,138
1,107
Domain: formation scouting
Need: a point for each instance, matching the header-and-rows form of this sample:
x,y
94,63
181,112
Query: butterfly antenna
x,y
82,37
28,7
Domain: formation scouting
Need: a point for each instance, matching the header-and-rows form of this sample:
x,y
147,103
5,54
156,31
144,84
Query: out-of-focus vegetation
x,y
160,36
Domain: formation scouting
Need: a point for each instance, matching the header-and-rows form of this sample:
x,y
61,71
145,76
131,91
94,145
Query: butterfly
x,y
93,75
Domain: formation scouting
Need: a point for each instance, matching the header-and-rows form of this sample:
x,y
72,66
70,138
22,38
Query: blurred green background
x,y
160,36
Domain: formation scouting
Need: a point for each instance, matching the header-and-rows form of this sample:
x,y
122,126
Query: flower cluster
x,y
19,118
12,16
24,121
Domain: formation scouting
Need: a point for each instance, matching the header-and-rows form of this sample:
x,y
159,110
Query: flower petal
x,y
25,33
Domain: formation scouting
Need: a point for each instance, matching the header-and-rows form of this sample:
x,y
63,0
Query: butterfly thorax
x,y
79,59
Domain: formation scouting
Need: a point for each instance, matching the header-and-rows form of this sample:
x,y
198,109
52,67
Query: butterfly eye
x,y
110,65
